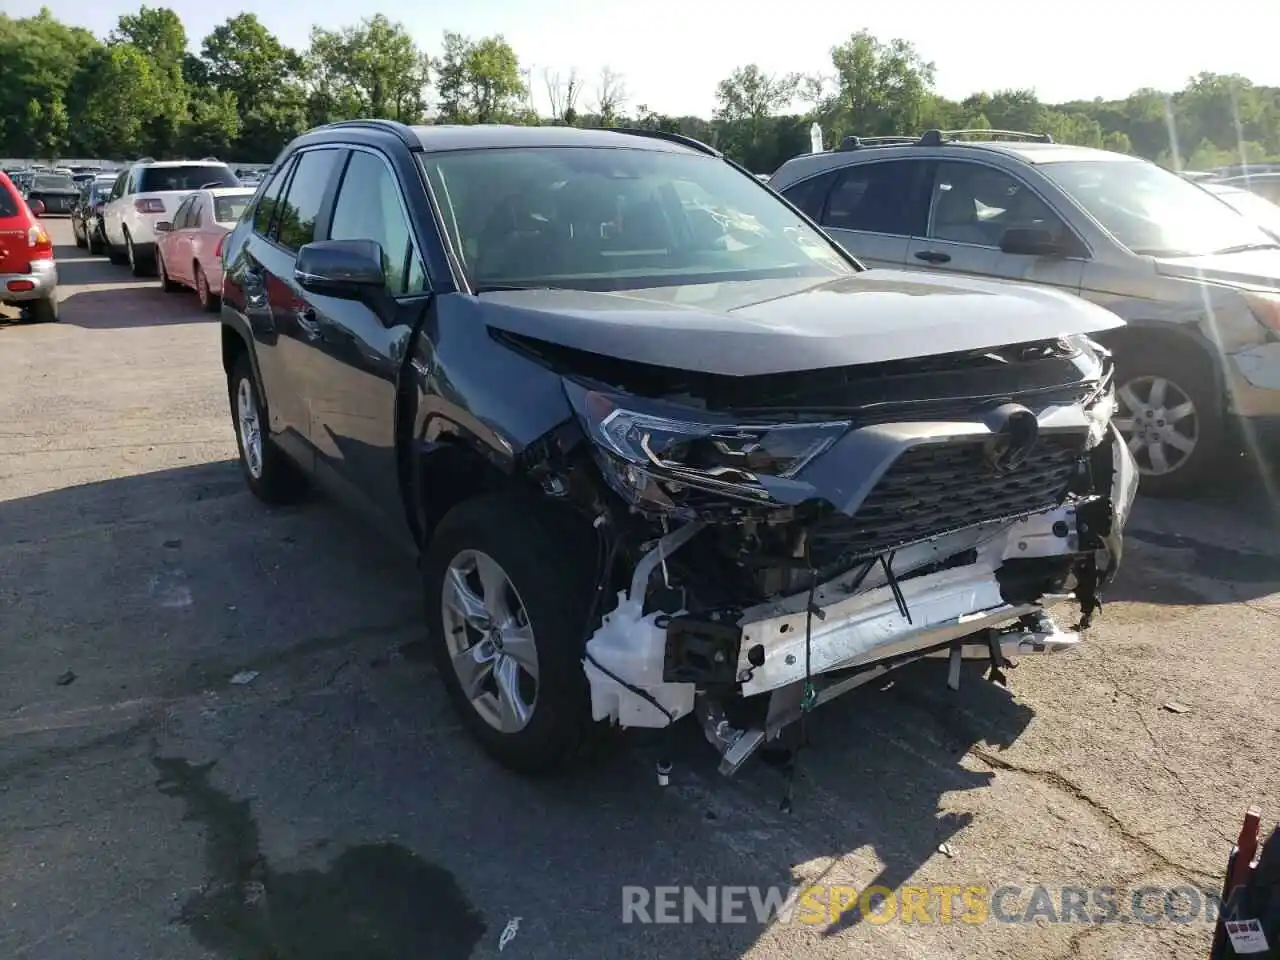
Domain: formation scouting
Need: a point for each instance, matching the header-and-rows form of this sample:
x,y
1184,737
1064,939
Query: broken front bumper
x,y
866,621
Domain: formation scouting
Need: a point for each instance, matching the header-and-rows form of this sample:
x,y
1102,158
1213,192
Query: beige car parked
x,y
1197,283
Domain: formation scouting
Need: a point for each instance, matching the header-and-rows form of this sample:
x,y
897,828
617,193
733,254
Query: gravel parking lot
x,y
151,806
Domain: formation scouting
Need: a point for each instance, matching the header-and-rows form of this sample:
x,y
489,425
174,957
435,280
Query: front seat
x,y
955,217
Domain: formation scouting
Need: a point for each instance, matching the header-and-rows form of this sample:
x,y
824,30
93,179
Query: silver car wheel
x,y
489,641
1158,419
250,426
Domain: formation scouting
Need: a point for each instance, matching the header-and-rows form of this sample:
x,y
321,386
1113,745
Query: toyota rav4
x,y
661,446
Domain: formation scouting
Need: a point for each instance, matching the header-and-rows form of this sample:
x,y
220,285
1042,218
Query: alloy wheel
x,y
249,424
1159,421
489,641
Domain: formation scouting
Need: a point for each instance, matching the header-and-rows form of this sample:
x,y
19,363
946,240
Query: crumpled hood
x,y
1254,268
758,327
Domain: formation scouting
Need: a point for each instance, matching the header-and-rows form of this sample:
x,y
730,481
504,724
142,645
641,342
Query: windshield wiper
x,y
1243,247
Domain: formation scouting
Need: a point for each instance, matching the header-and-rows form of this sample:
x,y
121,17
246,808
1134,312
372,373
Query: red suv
x,y
28,276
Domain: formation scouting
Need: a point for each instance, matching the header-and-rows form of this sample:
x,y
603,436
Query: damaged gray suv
x,y
661,447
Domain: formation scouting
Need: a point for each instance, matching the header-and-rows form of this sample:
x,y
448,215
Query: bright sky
x,y
673,52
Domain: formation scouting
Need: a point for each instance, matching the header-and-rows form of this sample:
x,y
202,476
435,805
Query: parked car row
x,y
166,218
1192,267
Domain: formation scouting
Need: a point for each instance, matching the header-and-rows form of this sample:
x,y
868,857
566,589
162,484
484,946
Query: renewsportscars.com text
x,y
973,904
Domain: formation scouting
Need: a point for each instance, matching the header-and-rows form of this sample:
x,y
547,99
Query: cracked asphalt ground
x,y
331,807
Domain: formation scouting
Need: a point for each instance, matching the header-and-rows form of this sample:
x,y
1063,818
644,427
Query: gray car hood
x,y
1254,268
747,328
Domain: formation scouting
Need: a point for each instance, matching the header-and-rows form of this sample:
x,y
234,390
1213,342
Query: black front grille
x,y
938,488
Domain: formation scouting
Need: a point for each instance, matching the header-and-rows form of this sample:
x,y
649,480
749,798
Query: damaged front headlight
x,y
1099,414
648,455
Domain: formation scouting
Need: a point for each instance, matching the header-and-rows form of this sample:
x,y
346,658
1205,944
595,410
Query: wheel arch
x,y
1139,337
445,472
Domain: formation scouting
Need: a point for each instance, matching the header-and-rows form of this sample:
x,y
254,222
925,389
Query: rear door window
x,y
811,195
882,197
303,204
264,215
186,177
180,215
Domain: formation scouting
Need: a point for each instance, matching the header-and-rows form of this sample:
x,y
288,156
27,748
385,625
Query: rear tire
x,y
518,537
41,311
1171,413
81,242
139,266
96,246
271,476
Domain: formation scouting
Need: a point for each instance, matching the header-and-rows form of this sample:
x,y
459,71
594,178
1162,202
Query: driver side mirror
x,y
1034,242
340,268
37,208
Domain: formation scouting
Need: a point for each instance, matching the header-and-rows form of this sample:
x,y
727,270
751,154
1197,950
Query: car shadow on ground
x,y
159,586
79,268
140,304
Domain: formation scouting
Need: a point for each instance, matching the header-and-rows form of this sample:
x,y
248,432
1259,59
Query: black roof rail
x,y
406,135
857,143
679,138
936,138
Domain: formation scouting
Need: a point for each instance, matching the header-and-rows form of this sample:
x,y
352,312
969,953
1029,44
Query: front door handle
x,y
307,321
933,256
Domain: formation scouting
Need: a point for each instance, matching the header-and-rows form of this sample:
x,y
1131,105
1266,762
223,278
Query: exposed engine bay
x,y
769,542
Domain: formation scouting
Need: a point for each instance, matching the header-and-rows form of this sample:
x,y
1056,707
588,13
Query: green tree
x,y
373,69
242,59
39,58
158,33
115,92
746,103
479,81
879,88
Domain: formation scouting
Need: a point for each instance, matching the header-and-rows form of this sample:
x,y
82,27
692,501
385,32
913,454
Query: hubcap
x,y
489,641
1159,421
250,428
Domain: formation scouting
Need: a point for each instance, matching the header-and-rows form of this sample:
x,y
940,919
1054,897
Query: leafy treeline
x,y
141,91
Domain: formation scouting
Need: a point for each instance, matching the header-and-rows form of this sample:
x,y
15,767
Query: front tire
x,y
96,245
81,242
167,285
209,300
271,476
1171,415
508,585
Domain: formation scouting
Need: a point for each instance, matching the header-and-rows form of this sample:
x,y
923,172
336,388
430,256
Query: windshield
x,y
1152,211
229,209
1257,209
186,177
53,183
615,219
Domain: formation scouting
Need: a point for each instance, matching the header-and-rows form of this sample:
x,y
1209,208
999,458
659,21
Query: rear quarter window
x,y
161,179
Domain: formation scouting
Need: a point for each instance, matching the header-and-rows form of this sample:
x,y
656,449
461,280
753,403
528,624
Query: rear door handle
x,y
933,256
